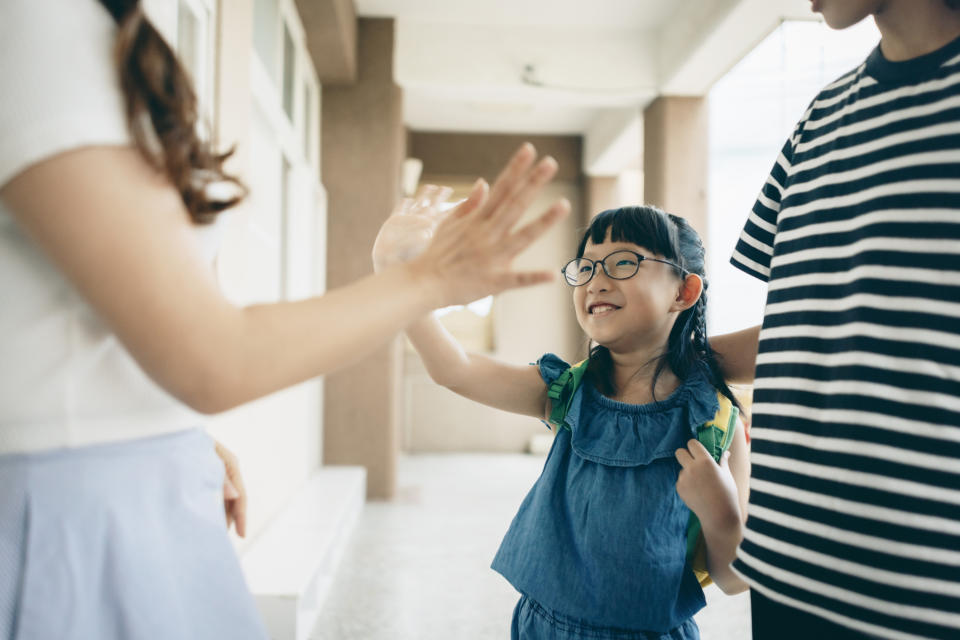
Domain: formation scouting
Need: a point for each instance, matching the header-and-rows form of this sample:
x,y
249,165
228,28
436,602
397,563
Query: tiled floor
x,y
418,566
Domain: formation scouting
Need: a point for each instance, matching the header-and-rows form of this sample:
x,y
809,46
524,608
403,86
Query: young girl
x,y
598,547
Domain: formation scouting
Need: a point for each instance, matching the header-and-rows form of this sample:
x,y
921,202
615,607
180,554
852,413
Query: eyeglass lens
x,y
619,265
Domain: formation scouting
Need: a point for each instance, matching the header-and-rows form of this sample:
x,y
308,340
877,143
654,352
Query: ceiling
x,y
640,14
565,66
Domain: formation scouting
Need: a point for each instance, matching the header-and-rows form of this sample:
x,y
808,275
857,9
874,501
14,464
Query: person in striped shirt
x,y
854,514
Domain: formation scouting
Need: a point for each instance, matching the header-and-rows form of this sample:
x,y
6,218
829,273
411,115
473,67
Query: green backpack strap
x,y
561,393
716,437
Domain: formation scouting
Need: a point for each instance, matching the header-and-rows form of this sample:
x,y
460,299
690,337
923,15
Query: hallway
x,y
418,568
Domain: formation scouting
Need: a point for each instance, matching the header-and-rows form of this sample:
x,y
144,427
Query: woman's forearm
x,y
128,247
737,354
264,348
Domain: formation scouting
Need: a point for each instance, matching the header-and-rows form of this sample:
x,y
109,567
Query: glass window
x,y
289,69
307,123
265,16
286,221
188,36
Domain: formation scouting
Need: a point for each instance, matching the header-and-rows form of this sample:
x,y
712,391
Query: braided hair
x,y
672,237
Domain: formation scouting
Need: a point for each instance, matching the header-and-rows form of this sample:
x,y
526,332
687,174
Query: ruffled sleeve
x,y
551,366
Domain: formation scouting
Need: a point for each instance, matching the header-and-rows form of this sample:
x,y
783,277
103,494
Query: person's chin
x,y
836,14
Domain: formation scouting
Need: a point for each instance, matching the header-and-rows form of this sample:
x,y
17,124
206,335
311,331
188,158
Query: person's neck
x,y
912,28
633,374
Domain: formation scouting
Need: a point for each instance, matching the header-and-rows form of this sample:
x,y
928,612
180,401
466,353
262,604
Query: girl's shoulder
x,y
551,367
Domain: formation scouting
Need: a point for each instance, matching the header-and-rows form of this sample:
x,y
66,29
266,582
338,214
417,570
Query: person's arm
x,y
737,354
518,389
120,234
718,494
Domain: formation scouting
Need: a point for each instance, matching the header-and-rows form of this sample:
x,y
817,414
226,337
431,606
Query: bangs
x,y
647,227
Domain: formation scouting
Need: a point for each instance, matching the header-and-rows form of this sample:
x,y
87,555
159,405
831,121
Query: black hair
x,y
952,4
673,238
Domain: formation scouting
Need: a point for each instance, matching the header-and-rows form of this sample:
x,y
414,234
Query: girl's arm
x,y
119,232
518,389
737,354
718,494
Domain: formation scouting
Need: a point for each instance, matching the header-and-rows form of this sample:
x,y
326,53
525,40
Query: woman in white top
x,y
114,337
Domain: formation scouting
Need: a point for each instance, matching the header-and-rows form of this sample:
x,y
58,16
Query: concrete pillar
x,y
363,146
675,159
603,192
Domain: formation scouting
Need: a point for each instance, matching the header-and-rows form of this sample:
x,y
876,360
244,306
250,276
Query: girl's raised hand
x,y
706,487
472,249
410,227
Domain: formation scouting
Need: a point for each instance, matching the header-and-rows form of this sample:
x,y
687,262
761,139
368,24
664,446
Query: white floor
x,y
418,566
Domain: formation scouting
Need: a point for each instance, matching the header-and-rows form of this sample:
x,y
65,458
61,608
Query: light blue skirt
x,y
123,540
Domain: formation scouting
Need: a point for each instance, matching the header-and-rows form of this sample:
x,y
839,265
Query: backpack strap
x,y
561,393
716,436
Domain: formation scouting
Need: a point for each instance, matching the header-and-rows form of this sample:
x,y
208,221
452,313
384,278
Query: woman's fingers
x,y
523,196
506,183
524,237
516,279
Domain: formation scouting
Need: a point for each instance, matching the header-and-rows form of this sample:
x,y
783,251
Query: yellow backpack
x,y
715,435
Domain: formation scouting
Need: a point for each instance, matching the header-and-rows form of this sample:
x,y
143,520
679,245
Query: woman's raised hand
x,y
473,247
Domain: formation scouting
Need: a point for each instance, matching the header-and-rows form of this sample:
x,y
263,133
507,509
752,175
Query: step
x,y
291,565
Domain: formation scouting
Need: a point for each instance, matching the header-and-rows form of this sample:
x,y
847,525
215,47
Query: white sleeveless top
x,y
65,379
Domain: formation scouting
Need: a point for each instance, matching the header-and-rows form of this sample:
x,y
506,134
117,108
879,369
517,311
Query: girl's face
x,y
627,315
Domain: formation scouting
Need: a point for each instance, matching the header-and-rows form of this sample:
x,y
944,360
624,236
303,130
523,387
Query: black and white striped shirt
x,y
855,490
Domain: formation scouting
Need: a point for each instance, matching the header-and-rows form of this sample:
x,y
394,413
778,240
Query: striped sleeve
x,y
755,247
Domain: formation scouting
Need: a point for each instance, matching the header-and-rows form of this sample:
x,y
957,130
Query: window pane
x,y
265,16
187,41
307,124
285,222
289,66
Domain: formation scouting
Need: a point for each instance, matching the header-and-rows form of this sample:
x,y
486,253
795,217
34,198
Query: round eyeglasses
x,y
619,265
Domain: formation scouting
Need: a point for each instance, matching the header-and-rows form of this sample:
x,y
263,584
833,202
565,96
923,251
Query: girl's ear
x,y
689,293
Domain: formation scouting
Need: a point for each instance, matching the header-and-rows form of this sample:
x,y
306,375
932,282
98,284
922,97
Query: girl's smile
x,y
601,309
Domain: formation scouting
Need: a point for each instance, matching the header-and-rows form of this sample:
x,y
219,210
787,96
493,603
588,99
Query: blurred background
x,y
377,499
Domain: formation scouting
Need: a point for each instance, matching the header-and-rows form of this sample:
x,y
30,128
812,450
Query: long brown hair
x,y
162,114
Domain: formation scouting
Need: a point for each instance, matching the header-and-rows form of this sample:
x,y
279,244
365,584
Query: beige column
x,y
603,192
363,146
675,160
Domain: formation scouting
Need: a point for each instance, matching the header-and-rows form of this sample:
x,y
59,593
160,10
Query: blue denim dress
x,y
598,547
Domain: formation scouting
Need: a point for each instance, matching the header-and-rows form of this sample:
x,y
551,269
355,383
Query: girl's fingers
x,y
510,177
523,237
524,195
683,457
